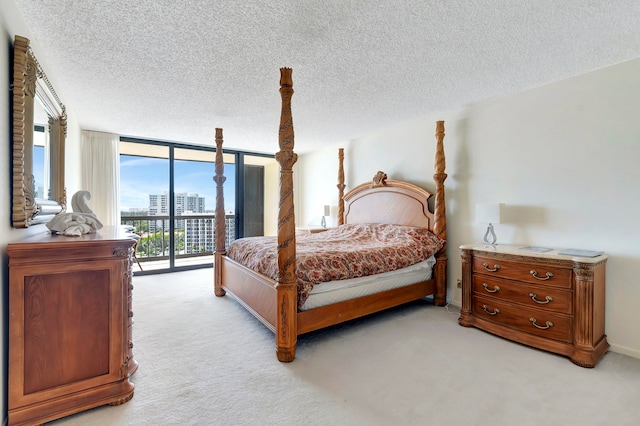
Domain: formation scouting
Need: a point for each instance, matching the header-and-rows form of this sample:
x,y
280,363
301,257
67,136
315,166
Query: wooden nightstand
x,y
546,300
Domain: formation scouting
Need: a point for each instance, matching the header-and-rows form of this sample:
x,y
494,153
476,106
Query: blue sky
x,y
141,176
38,167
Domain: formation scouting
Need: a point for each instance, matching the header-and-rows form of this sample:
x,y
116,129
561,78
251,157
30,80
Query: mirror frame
x,y
30,82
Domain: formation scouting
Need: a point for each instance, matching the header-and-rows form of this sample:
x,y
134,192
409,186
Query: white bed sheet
x,y
338,291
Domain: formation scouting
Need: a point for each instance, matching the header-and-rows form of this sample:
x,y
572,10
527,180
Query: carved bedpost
x,y
341,186
287,287
220,229
440,217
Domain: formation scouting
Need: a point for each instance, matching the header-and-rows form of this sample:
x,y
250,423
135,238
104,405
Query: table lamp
x,y
327,212
488,213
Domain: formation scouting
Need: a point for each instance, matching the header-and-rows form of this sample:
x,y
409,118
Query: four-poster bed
x,y
384,206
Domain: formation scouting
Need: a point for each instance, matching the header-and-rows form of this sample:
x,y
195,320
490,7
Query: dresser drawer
x,y
533,321
537,296
523,271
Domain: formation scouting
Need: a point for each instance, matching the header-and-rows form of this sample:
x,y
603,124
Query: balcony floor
x,y
187,262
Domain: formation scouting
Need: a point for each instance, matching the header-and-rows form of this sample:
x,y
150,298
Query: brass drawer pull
x,y
547,324
495,267
547,299
535,275
495,310
495,288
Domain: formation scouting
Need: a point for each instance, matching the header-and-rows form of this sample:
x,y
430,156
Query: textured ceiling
x,y
175,70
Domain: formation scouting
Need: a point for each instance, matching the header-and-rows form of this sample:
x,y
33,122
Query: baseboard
x,y
456,303
623,350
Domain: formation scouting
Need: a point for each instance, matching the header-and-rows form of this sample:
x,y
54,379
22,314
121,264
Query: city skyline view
x,y
144,176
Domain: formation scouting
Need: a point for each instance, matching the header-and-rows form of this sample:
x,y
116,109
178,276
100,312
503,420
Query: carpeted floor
x,y
205,361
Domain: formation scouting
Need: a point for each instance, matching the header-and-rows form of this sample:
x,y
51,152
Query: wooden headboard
x,y
388,201
394,201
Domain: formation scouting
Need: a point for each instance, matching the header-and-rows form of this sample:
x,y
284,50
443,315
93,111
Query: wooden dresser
x,y
70,319
545,300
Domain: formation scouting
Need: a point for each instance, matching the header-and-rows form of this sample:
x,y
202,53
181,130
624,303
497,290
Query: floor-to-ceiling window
x,y
144,189
168,196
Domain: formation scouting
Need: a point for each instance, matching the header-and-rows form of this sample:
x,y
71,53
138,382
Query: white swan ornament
x,y
81,221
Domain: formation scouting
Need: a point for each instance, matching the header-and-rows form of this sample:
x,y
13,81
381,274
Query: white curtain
x,y
101,175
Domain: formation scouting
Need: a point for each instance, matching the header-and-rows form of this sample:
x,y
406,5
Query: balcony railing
x,y
194,235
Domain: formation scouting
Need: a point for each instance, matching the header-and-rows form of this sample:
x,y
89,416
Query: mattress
x,y
337,291
342,253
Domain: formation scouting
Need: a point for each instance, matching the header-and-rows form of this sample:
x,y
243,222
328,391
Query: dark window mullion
x,y
239,214
172,213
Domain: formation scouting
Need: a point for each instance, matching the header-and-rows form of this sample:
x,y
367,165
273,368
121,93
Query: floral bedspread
x,y
347,251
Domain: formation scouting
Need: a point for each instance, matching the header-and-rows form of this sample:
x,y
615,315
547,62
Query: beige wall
x,y
318,175
563,158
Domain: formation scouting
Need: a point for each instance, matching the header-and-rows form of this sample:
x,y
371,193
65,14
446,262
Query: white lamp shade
x,y
327,210
488,212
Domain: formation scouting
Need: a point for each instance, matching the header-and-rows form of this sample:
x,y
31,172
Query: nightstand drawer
x,y
533,321
539,273
537,296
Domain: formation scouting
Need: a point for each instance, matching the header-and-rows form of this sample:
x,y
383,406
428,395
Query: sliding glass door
x,y
144,203
168,197
195,204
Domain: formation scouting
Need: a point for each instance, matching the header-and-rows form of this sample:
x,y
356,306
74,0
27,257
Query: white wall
x,y
320,172
271,197
563,158
12,23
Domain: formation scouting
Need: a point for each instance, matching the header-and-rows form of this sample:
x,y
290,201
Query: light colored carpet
x,y
205,361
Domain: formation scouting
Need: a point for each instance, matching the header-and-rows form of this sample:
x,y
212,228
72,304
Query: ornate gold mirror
x,y
39,131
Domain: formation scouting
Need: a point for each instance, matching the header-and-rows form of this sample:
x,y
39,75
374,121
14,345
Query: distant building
x,y
199,232
230,228
183,202
159,203
154,208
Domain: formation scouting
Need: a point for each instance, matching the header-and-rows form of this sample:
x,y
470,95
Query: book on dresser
x,y
546,300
